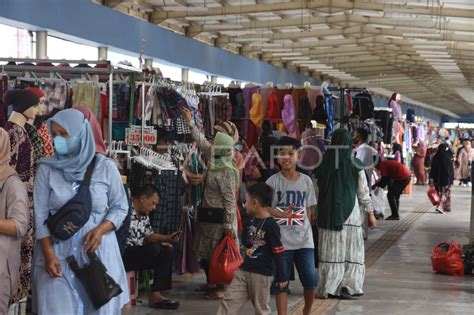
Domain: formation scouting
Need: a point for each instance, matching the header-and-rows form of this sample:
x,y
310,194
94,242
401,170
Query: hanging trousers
x,y
151,256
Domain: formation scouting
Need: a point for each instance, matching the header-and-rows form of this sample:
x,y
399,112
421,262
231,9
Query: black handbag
x,y
210,215
100,287
75,213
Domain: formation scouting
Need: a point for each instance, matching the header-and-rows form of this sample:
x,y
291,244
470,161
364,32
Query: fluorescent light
x,y
208,18
277,49
422,35
296,58
252,39
430,46
287,54
264,45
185,9
222,26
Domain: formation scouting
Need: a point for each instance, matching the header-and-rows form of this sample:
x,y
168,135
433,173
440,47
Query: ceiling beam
x,y
159,16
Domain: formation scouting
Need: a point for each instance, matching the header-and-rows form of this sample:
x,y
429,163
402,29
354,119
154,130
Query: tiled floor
x,y
398,282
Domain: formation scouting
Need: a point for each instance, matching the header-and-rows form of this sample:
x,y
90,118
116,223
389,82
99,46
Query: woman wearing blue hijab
x,y
57,290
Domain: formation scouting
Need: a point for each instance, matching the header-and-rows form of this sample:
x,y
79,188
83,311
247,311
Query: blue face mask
x,y
65,146
239,147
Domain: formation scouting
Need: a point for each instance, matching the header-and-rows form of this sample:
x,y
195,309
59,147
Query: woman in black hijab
x,y
442,176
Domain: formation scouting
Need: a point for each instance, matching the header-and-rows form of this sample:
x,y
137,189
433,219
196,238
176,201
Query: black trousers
x,y
394,192
153,256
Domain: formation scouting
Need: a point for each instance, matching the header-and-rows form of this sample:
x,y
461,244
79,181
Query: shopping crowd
x,y
302,204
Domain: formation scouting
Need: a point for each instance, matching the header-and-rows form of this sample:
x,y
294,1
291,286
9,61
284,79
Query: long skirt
x,y
341,258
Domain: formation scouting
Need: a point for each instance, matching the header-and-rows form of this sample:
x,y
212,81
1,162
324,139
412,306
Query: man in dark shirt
x,y
148,250
397,176
264,250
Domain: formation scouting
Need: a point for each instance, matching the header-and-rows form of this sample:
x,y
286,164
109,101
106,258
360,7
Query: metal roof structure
x,y
423,49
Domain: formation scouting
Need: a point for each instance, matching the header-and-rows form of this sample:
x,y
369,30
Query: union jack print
x,y
296,219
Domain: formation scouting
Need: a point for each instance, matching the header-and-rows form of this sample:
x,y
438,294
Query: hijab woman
x,y
220,187
14,223
418,163
442,176
342,188
58,291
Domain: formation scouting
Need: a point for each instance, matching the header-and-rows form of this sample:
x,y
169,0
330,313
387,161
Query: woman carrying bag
x,y
442,176
58,289
217,215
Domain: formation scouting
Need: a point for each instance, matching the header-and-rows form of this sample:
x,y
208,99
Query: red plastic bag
x,y
447,259
225,260
433,195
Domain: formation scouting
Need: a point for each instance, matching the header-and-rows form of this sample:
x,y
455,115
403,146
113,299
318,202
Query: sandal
x,y
213,296
166,305
203,288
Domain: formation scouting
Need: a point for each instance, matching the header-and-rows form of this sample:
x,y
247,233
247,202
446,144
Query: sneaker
x,y
469,184
439,211
447,210
464,185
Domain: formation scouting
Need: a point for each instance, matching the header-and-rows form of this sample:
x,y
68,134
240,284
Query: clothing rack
x,y
44,71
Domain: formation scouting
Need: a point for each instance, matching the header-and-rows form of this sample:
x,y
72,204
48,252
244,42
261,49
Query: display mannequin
x,y
25,107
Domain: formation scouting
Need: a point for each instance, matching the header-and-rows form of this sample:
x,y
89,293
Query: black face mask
x,y
355,140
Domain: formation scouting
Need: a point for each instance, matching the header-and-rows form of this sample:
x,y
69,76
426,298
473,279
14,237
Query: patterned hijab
x,y
74,165
5,169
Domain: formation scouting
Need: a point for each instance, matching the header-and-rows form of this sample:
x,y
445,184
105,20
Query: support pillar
x,y
214,79
102,53
149,63
41,45
185,74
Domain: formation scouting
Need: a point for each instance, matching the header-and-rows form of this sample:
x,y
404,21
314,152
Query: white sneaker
x,y
469,184
440,211
464,185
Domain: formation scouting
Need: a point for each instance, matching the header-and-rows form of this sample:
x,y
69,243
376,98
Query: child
x,y
294,192
264,250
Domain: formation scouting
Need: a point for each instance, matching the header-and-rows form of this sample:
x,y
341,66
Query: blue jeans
x,y
303,259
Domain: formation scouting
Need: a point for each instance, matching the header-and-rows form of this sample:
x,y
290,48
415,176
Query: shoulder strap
x,y
89,171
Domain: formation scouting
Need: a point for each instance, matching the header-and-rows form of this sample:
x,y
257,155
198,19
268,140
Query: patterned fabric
x,y
20,150
445,198
140,228
166,218
342,253
47,140
37,152
56,95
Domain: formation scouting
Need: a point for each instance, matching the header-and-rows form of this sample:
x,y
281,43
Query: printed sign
x,y
133,135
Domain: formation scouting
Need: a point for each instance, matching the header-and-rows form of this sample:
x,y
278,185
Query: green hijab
x,y
337,182
223,155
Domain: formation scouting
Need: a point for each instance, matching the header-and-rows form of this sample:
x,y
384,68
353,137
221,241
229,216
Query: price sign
x,y
133,135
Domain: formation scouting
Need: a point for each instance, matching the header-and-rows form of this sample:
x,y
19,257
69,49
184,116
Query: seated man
x,y
147,250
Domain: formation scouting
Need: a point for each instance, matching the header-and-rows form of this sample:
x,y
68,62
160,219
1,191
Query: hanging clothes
x,y
20,150
312,95
88,95
304,112
56,95
256,115
166,218
265,93
187,260
288,115
3,107
329,111
273,113
248,92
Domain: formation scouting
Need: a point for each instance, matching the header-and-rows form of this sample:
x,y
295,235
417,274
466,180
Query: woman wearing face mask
x,y
58,291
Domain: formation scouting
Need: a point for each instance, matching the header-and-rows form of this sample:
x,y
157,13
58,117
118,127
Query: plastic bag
x,y
433,195
447,259
225,260
378,200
